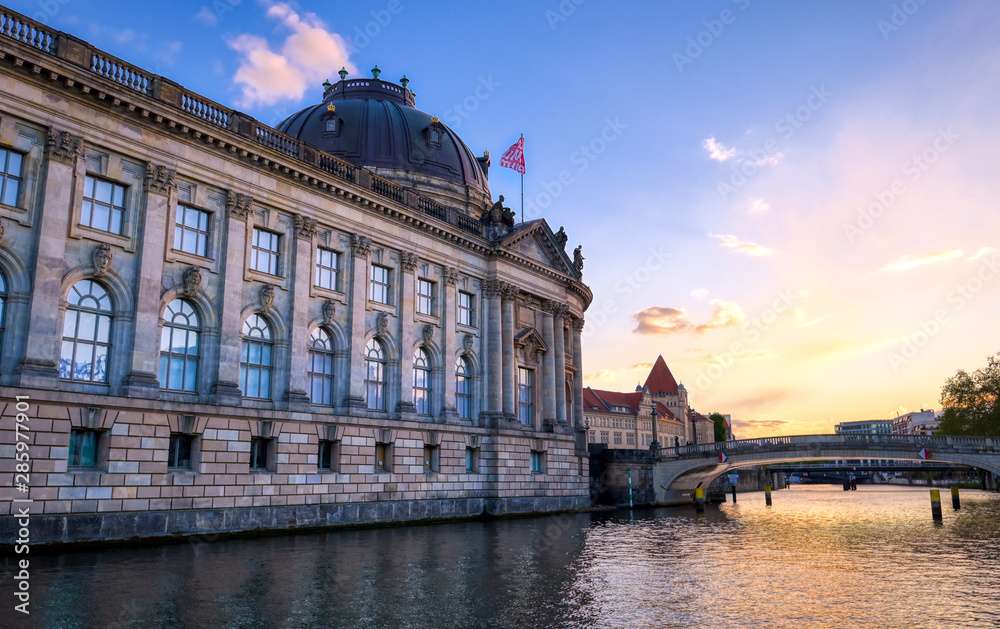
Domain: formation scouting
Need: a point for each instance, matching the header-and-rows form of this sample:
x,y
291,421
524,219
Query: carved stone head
x,y
192,281
102,259
329,311
266,297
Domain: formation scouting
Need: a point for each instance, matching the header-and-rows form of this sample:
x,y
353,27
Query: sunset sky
x,y
794,202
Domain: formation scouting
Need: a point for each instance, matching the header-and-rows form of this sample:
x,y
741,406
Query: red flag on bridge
x,y
514,157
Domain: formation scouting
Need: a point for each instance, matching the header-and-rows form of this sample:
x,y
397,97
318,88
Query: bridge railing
x,y
864,441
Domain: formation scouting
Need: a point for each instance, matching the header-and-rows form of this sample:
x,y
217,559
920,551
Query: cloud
x,y
800,318
305,59
759,424
168,52
207,16
699,293
603,375
983,251
742,246
726,357
717,151
759,207
641,366
910,260
770,160
664,320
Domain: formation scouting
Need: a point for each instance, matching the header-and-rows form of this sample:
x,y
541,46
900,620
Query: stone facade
x,y
244,323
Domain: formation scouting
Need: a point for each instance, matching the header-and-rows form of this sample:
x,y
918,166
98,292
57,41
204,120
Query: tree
x,y
720,426
971,401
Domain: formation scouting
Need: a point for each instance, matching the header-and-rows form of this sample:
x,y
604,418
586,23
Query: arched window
x,y
86,333
320,367
463,388
179,347
255,358
375,375
422,381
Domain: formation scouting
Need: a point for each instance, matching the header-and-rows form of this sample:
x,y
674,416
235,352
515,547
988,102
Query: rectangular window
x,y
466,316
630,439
380,287
472,460
537,462
329,456
425,297
618,438
103,205
383,460
84,448
264,251
604,437
191,231
430,458
327,269
525,388
259,458
179,455
10,176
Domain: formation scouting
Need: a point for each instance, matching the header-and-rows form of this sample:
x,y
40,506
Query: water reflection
x,y
820,557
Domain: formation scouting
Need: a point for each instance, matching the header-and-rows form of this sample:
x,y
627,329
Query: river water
x,y
819,557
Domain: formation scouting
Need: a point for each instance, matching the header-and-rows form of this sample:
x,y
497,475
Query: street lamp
x,y
656,437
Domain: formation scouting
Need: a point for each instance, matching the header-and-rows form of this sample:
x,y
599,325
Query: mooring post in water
x,y
955,502
767,495
936,504
734,494
699,500
630,488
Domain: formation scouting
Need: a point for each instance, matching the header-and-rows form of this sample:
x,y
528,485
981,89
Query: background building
x,y
624,420
223,325
864,427
922,422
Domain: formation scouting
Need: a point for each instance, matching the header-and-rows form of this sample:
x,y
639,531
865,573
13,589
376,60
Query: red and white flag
x,y
514,157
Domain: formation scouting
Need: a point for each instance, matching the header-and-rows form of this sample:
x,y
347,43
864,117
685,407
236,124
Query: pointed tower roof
x,y
660,379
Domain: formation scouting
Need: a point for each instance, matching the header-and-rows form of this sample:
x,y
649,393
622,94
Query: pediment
x,y
536,242
529,346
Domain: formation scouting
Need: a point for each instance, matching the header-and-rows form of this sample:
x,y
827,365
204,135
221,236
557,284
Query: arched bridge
x,y
679,470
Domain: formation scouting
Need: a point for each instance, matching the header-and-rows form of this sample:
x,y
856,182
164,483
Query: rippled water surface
x,y
820,557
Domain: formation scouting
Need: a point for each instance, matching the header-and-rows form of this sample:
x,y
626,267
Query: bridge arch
x,y
685,468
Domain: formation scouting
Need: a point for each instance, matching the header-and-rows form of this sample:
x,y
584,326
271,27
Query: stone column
x,y
449,318
578,377
559,331
548,368
141,380
406,339
494,386
301,280
64,175
508,295
227,386
360,247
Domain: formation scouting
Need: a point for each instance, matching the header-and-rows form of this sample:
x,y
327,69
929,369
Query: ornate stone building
x,y
219,325
625,420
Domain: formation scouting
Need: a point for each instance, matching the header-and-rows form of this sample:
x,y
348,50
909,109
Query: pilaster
x,y
558,329
407,282
548,369
161,189
508,296
296,394
227,387
581,432
449,316
360,248
494,371
64,174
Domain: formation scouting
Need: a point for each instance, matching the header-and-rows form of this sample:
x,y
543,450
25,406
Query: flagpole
x,y
522,184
